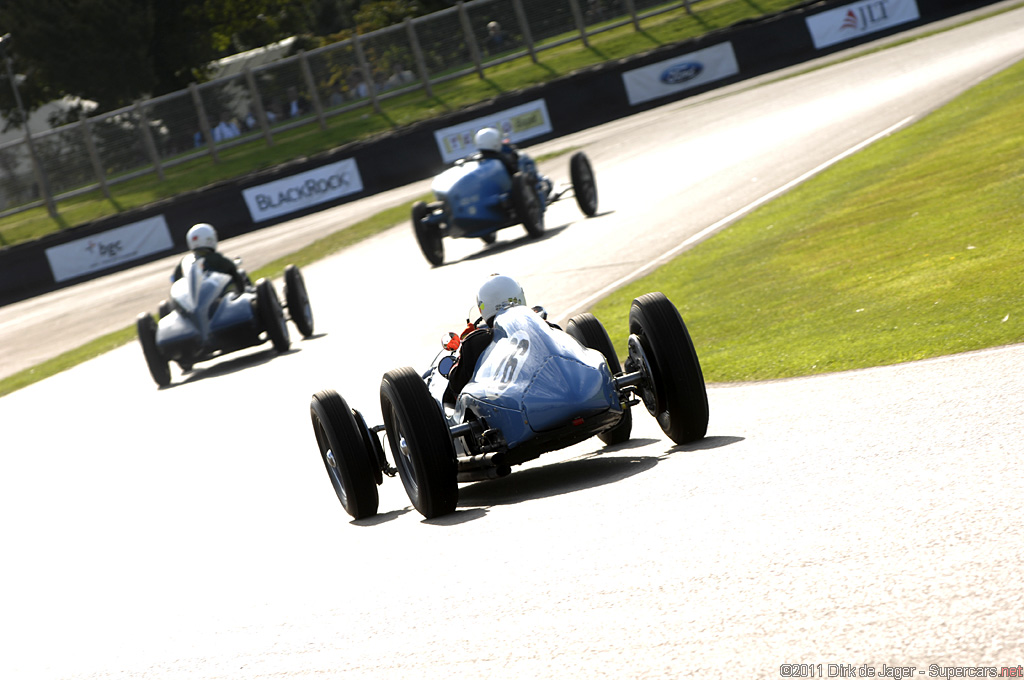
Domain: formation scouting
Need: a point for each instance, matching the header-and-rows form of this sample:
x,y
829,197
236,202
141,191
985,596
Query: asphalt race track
x,y
868,518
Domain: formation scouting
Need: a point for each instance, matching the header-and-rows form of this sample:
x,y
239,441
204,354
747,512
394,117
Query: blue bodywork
x,y
473,197
209,317
537,385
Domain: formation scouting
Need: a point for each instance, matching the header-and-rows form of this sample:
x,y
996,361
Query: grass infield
x,y
909,249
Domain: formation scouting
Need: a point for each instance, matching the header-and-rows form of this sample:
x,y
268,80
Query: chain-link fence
x,y
306,89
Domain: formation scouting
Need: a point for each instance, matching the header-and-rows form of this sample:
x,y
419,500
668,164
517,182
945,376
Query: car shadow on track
x,y
232,363
604,466
504,246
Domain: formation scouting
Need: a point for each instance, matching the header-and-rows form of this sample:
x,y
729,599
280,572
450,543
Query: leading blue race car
x,y
477,197
535,389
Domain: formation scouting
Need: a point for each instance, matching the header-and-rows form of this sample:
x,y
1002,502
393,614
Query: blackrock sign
x,y
305,190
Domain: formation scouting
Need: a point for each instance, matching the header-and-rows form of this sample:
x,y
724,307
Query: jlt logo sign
x,y
852,21
864,17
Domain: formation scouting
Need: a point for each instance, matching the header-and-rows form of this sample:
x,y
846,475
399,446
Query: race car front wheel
x,y
527,204
269,308
427,235
297,299
420,442
584,187
342,448
159,368
676,395
589,331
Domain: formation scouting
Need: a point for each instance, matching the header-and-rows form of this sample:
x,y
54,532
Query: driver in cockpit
x,y
489,144
497,294
202,241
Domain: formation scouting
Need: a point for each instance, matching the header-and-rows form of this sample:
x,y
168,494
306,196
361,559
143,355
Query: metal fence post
x,y
94,156
147,141
307,73
577,16
204,122
467,28
631,9
257,105
417,53
524,28
364,66
37,166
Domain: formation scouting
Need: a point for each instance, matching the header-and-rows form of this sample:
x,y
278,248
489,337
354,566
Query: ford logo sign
x,y
680,73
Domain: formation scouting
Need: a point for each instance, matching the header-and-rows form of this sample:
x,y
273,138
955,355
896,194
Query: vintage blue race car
x,y
535,389
207,317
477,196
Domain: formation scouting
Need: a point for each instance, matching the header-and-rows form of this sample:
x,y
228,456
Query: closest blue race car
x,y
477,197
535,389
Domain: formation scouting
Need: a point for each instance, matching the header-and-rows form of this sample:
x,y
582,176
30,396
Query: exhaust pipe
x,y
484,474
481,461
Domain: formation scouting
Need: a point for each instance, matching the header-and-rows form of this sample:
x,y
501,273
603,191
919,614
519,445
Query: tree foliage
x,y
114,52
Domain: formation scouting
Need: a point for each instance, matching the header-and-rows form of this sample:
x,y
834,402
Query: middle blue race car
x,y
535,389
478,196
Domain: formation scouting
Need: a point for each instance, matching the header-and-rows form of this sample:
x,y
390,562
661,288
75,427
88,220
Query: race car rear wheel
x,y
297,299
591,333
527,204
159,367
420,442
584,187
342,448
677,397
427,235
269,308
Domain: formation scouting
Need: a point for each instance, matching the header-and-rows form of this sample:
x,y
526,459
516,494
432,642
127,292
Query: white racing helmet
x,y
497,294
487,139
202,236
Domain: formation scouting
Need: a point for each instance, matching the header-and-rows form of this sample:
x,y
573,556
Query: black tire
x,y
584,186
527,204
489,239
681,406
268,305
297,299
421,444
345,456
159,367
427,235
591,333
372,443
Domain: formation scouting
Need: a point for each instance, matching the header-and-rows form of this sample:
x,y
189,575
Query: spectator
x,y
335,98
495,40
225,130
400,77
297,104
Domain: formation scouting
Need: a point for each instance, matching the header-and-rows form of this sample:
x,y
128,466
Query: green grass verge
x,y
668,28
908,249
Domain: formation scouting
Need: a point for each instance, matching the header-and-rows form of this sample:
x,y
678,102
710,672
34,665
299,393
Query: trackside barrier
x,y
591,97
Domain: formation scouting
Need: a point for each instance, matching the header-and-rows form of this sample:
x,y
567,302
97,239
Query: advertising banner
x,y
680,73
109,248
304,190
516,124
852,21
